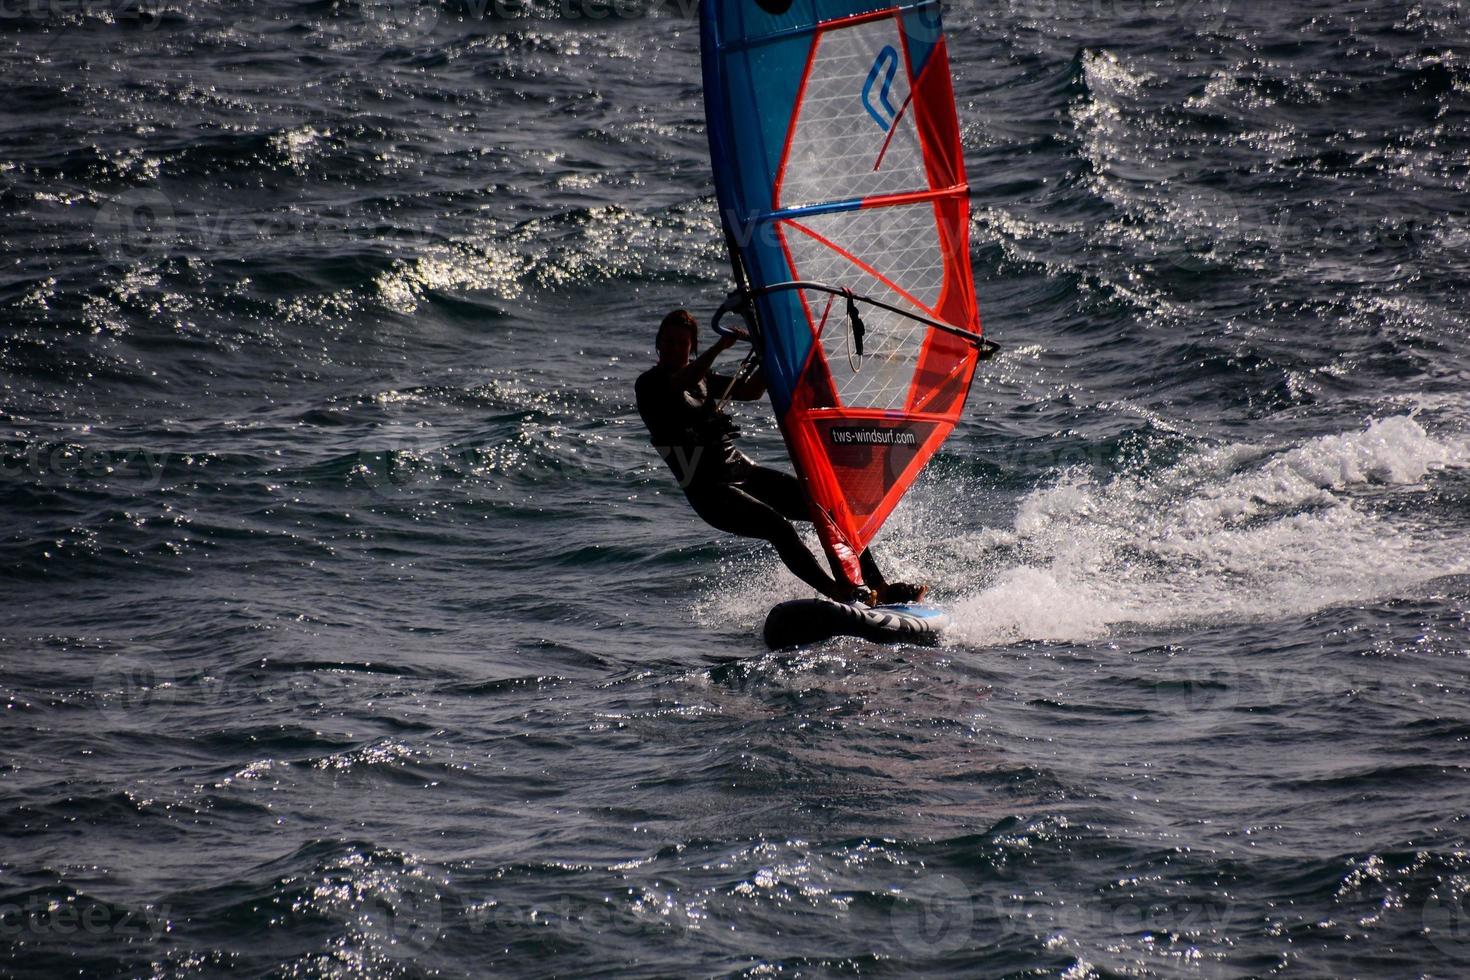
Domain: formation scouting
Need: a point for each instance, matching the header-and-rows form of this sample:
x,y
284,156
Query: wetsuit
x,y
726,488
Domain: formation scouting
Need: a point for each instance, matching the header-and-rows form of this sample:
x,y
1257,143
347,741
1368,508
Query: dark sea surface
x,y
349,626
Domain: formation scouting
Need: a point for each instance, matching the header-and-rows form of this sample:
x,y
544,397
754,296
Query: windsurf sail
x,y
841,185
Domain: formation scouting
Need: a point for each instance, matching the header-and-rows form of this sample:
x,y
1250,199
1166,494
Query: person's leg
x,y
731,509
782,492
888,592
872,577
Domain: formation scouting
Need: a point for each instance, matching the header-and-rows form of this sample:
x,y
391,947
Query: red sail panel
x,y
865,126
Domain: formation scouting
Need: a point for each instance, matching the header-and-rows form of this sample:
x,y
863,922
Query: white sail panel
x,y
854,134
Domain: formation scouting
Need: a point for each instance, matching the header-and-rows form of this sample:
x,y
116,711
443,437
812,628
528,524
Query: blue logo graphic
x,y
885,64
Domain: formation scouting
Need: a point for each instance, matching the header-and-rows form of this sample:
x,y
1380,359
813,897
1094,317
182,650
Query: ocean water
x,y
349,627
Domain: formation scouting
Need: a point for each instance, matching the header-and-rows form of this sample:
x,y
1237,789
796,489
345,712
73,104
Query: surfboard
x,y
835,148
803,621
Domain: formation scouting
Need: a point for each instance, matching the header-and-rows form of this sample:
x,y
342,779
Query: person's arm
x,y
694,372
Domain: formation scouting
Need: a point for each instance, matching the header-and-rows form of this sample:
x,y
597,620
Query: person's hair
x,y
679,319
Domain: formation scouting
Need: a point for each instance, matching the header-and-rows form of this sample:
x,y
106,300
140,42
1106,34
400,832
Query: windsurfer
x,y
680,400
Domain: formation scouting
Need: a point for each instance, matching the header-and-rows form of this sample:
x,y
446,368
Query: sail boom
x,y
972,336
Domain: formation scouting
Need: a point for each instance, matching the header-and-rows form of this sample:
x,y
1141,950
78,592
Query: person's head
x,y
678,337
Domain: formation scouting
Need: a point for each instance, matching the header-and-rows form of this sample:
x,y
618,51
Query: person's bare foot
x,y
898,593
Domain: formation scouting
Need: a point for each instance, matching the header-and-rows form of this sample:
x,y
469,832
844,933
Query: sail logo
x,y
875,92
850,436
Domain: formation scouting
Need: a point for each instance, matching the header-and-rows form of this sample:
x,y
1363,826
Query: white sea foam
x,y
1236,532
1233,533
